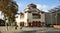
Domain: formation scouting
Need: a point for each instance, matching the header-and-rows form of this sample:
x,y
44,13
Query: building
x,y
32,16
53,17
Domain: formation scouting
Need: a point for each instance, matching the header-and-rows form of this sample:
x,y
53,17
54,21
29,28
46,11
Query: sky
x,y
41,4
1,16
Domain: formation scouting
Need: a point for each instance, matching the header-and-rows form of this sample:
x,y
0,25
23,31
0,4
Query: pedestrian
x,y
22,25
6,23
16,25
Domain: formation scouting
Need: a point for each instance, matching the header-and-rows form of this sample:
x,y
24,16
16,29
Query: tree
x,y
9,8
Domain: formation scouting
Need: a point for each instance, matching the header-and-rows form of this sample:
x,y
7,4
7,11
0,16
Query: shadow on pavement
x,y
26,32
52,32
0,31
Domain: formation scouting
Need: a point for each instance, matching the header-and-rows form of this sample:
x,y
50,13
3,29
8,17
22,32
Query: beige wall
x,y
51,19
29,16
43,17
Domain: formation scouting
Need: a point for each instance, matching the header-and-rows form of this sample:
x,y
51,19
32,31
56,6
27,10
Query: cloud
x,y
45,10
19,6
53,6
42,7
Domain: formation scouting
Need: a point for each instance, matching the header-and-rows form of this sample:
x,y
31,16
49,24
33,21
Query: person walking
x,y
22,25
16,25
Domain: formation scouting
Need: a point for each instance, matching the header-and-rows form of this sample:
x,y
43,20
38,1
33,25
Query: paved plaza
x,y
29,30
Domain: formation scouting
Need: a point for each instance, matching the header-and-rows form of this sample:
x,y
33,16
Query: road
x,y
29,30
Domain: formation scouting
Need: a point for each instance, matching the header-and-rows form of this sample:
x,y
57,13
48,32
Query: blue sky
x,y
41,4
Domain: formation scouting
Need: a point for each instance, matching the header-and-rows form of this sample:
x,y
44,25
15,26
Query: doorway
x,y
21,23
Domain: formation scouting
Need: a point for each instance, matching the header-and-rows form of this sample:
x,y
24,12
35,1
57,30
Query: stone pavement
x,y
29,30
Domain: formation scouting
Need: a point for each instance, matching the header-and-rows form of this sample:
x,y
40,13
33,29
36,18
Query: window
x,y
36,16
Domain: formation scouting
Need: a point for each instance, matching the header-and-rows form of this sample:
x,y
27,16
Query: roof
x,y
55,9
32,5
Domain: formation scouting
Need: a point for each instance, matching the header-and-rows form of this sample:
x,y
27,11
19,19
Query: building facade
x,y
53,17
32,16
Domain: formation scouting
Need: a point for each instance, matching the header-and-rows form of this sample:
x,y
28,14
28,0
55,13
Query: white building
x,y
32,16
